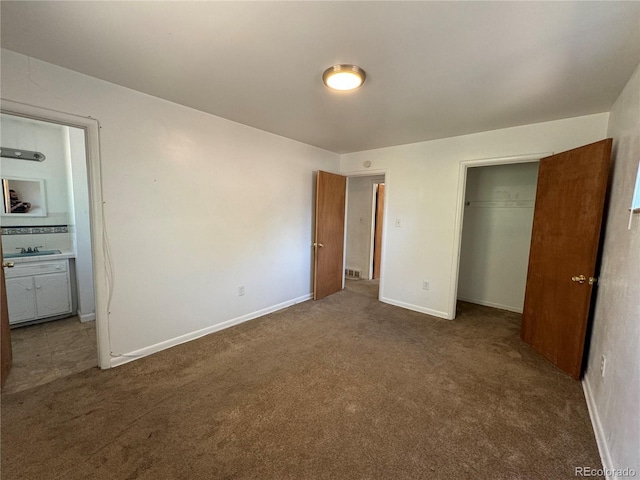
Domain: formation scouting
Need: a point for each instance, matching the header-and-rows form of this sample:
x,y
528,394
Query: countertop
x,y
40,258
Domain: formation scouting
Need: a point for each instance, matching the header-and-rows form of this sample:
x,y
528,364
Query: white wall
x,y
80,222
49,139
195,206
359,218
615,399
421,190
496,234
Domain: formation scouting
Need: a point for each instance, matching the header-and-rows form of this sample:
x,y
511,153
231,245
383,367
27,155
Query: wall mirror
x,y
23,197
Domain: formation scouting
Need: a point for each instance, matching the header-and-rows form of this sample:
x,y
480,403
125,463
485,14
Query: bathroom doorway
x,y
47,251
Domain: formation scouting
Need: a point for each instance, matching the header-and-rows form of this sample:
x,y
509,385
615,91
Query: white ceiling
x,y
434,69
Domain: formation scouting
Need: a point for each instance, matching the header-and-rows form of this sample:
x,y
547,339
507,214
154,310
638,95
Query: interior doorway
x,y
364,234
465,167
47,251
496,234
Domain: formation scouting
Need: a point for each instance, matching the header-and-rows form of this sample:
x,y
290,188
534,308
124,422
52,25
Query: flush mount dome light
x,y
343,77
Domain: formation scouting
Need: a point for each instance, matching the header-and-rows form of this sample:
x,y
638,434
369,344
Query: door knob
x,y
579,279
318,245
8,264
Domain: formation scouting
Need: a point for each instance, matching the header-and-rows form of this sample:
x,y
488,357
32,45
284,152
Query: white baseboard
x,y
123,358
86,317
415,308
603,448
509,308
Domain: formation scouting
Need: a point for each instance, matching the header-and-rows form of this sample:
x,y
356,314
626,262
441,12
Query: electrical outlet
x,y
241,290
603,365
398,222
425,285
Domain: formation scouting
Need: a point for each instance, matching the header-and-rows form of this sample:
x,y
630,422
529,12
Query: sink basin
x,y
31,254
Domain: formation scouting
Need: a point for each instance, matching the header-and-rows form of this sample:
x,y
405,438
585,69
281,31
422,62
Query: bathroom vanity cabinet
x,y
38,290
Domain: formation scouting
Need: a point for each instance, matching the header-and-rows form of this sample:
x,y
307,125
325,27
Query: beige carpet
x,y
342,388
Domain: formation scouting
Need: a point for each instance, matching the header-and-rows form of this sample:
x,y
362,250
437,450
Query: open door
x,y
377,238
6,356
564,248
328,243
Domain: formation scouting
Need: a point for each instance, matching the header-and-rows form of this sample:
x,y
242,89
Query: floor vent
x,y
352,273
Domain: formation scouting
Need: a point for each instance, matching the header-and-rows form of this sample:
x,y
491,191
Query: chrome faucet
x,y
29,249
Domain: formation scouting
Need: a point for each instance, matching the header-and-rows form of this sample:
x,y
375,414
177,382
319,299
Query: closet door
x,y
564,250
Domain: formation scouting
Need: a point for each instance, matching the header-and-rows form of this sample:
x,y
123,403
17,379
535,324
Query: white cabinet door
x,y
52,294
21,299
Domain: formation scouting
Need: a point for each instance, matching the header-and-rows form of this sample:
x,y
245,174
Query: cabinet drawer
x,y
39,268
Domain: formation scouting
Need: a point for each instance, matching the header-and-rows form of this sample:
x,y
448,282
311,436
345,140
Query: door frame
x,y
369,173
457,232
101,276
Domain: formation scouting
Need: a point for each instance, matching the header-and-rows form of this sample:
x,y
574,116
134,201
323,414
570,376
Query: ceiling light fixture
x,y
343,77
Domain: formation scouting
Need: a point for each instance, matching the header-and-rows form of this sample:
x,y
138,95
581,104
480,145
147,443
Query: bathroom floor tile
x,y
44,352
69,341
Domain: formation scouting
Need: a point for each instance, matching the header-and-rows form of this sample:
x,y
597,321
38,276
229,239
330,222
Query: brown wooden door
x,y
564,245
377,239
328,261
6,356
